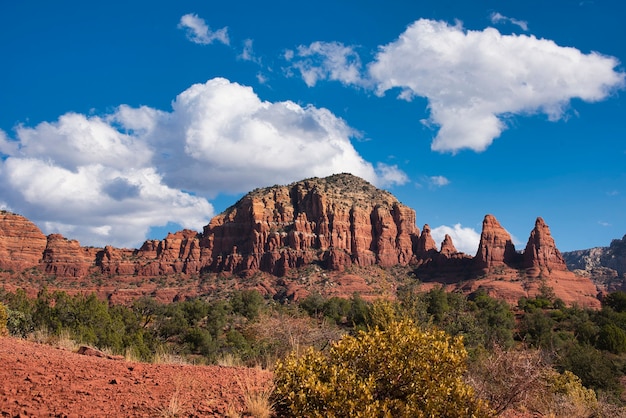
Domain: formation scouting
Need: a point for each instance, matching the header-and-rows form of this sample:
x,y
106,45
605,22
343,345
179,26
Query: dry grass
x,y
163,356
131,355
63,341
229,360
232,412
178,404
256,396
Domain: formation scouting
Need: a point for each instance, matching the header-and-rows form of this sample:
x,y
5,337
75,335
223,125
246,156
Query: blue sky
x,y
121,121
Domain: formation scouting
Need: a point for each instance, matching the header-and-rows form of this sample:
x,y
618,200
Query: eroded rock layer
x,y
21,242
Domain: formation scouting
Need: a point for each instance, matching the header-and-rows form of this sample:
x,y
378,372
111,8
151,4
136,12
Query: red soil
x,y
39,380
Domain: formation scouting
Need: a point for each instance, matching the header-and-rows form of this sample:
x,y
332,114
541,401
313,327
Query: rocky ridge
x,y
335,224
605,265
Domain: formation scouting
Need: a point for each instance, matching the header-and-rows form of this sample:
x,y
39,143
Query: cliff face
x,y
334,222
66,258
496,246
21,242
337,221
541,252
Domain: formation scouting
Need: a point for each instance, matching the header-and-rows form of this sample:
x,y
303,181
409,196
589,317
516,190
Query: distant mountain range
x,y
605,265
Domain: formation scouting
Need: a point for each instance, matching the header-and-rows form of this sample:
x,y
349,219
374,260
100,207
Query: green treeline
x,y
251,330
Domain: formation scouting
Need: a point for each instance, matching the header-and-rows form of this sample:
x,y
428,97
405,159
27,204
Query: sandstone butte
x,y
331,225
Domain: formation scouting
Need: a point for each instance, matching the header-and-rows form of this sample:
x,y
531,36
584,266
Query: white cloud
x,y
221,137
125,203
261,78
390,175
247,54
326,61
199,32
499,18
107,180
473,78
465,240
438,181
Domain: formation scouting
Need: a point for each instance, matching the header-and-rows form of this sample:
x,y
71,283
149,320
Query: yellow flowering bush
x,y
400,371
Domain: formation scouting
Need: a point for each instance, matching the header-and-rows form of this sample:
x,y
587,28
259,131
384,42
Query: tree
x,y
247,303
496,320
612,338
616,301
401,371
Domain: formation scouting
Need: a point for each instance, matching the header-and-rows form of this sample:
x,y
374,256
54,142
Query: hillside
x,y
335,235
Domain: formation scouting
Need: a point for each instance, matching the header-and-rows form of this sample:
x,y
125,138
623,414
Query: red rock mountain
x,y
21,242
334,222
338,221
496,246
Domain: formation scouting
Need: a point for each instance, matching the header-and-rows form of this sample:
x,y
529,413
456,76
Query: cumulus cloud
x,y
221,137
473,80
92,183
108,179
326,61
465,239
199,32
499,18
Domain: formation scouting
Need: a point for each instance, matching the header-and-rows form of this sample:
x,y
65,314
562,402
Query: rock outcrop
x,y
425,245
541,253
21,242
509,275
612,257
448,249
496,247
337,221
66,258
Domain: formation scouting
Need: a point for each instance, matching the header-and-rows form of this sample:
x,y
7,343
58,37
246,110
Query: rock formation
x,y
425,245
333,223
447,247
605,265
21,242
338,221
496,247
541,252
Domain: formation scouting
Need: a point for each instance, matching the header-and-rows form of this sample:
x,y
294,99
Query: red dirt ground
x,y
38,380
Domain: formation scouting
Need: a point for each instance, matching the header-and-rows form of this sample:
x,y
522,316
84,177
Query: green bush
x,y
401,371
612,338
3,320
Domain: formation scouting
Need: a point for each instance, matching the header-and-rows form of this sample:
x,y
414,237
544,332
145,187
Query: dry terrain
x,y
39,380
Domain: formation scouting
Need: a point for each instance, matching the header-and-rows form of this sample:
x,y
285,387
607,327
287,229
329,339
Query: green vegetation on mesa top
x,y
344,187
251,330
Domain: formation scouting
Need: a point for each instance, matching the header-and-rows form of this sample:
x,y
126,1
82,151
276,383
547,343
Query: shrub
x,y
3,320
523,380
401,371
247,303
612,338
